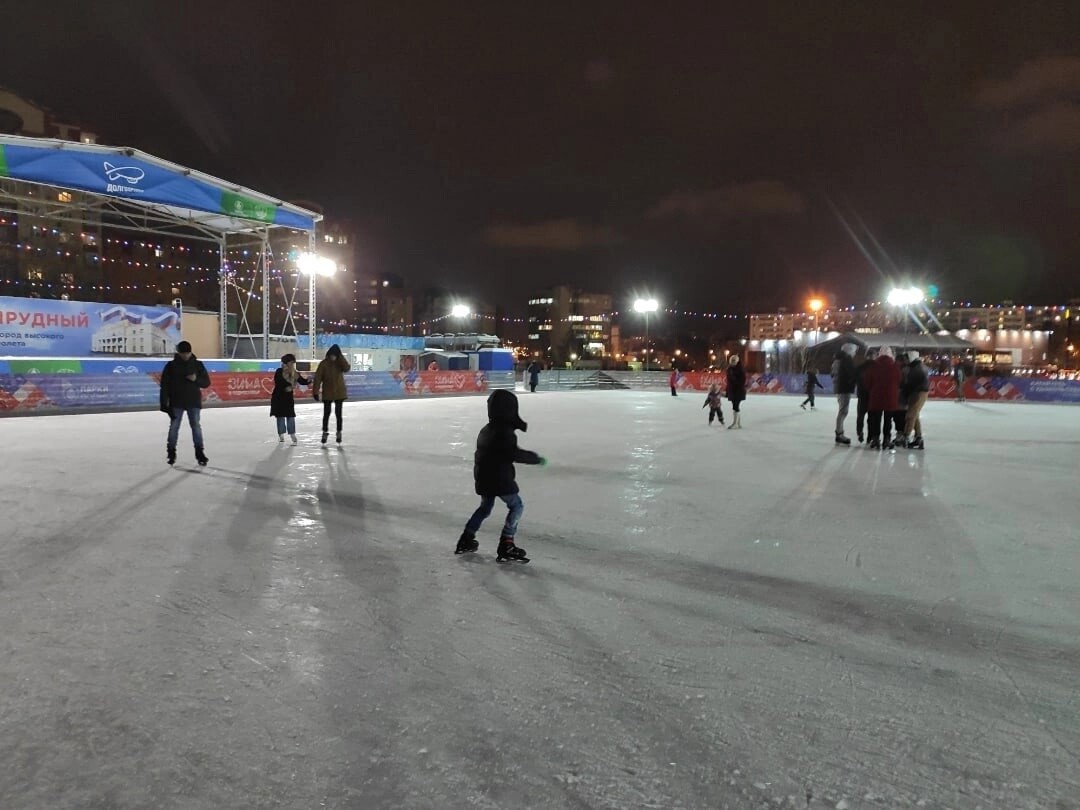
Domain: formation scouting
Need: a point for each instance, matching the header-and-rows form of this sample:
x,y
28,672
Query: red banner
x,y
442,382
241,386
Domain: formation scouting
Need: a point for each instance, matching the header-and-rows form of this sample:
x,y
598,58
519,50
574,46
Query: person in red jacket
x,y
882,381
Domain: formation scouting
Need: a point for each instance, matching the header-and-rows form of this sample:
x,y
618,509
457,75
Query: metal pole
x,y
311,298
266,293
646,340
223,283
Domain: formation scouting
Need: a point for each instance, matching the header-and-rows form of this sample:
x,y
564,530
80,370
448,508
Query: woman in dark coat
x,y
736,389
282,401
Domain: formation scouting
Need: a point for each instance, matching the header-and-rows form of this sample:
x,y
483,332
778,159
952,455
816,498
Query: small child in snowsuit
x,y
493,471
713,400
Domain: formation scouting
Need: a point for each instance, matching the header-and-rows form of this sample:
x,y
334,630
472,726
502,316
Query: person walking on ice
x,y
330,385
493,472
182,381
282,400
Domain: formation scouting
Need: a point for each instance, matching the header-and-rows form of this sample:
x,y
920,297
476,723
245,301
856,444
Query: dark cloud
x,y
1036,82
556,234
1037,106
761,198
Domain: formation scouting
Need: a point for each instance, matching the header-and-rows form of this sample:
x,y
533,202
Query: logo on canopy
x,y
123,178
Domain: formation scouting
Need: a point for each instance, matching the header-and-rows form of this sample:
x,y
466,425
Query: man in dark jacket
x,y
916,390
844,386
182,381
534,375
493,471
862,392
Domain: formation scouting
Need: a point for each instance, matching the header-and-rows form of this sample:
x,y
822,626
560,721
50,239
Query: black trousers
x,y
716,413
337,403
860,415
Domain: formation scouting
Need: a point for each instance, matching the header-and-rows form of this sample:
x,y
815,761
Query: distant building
x,y
18,116
562,321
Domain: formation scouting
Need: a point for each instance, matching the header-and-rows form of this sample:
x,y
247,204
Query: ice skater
x,y
673,381
493,472
811,382
917,387
883,384
713,399
182,381
844,386
330,385
282,400
862,393
534,376
736,389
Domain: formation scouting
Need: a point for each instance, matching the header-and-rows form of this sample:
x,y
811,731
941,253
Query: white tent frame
x,y
17,196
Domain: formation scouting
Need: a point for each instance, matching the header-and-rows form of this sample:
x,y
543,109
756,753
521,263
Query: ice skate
x,y
466,543
338,437
916,443
200,457
293,437
508,551
873,444
281,438
325,436
170,455
842,439
860,437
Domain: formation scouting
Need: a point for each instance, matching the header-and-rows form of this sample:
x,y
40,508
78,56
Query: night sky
x,y
720,159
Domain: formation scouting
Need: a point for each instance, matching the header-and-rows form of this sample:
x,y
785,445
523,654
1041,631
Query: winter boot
x,y
508,551
170,455
293,437
467,542
842,439
325,436
200,457
339,437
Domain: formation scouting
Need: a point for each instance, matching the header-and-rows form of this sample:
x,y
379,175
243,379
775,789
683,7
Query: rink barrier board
x,y
70,391
72,386
980,388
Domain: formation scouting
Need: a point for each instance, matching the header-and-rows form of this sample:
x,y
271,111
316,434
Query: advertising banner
x,y
421,383
38,327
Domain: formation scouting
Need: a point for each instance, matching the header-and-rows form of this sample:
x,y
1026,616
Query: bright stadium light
x,y
313,265
460,311
646,305
905,296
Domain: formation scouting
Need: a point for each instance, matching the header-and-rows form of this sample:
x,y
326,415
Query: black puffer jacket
x,y
177,391
915,382
844,382
497,448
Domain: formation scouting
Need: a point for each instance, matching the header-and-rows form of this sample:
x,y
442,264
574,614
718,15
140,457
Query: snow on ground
x,y
711,618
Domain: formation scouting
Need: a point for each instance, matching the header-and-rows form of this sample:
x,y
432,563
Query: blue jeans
x,y
487,502
193,420
286,424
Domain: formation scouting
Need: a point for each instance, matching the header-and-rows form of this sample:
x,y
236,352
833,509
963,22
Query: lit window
x,y
328,238
64,196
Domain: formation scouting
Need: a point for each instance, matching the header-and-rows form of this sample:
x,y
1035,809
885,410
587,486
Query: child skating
x,y
713,399
493,471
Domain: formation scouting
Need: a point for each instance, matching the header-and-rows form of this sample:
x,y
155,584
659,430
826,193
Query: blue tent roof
x,y
145,180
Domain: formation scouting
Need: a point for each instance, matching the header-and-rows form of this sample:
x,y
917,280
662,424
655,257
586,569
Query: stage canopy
x,y
136,191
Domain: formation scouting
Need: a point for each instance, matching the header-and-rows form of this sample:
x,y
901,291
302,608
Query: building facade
x,y
563,322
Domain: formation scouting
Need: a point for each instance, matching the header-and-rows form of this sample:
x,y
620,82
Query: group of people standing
x,y
890,397
184,377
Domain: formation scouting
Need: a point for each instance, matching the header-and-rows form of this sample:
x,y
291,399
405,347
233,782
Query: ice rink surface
x,y
712,618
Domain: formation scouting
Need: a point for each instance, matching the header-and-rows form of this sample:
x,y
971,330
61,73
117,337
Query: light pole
x,y
815,305
646,305
312,265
